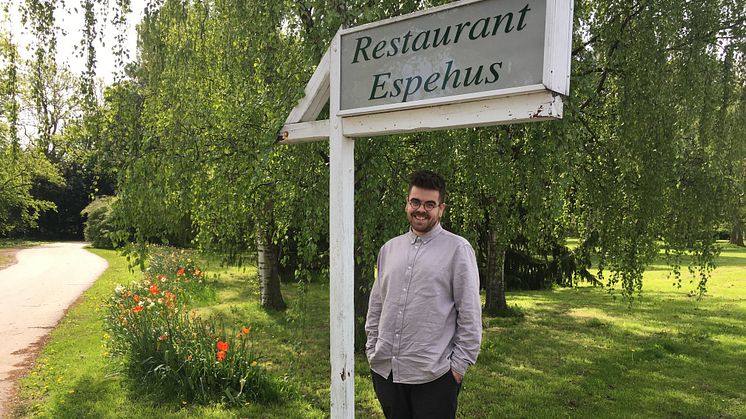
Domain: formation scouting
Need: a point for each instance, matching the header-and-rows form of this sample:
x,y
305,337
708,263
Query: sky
x,y
71,22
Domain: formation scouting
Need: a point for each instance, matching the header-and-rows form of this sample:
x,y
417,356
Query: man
x,y
424,323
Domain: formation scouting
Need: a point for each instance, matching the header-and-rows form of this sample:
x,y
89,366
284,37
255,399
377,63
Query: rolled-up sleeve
x,y
468,336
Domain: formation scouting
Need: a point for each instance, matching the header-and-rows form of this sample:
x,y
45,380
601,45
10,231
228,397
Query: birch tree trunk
x,y
736,234
495,275
269,268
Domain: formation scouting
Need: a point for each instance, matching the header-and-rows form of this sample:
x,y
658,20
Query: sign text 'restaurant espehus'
x,y
484,46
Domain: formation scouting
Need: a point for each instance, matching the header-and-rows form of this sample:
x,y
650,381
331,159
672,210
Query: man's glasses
x,y
429,205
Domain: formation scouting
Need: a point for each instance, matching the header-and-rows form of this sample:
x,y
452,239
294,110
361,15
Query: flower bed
x,y
176,353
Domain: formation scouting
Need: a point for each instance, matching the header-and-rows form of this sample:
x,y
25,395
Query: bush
x,y
99,224
179,269
176,354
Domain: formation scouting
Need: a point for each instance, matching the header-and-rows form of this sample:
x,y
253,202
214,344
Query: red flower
x,y
245,330
180,272
221,356
153,289
222,346
136,298
162,337
137,309
162,277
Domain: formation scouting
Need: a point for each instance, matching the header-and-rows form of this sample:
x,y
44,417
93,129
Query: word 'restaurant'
x,y
385,85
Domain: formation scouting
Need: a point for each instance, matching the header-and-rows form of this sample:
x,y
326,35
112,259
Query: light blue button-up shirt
x,y
424,314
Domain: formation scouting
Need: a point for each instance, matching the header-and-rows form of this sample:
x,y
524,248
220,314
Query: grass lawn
x,y
575,352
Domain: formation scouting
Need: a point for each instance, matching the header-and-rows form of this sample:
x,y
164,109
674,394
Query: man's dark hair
x,y
427,179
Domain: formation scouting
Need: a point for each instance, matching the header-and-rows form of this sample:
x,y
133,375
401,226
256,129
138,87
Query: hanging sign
x,y
468,51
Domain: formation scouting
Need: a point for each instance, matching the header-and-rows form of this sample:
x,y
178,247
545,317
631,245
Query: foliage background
x,y
653,130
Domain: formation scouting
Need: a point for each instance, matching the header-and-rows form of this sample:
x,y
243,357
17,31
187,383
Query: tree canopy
x,y
20,168
650,154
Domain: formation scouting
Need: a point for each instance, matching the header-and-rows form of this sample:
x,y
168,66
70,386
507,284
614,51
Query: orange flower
x,y
136,298
245,330
222,346
180,272
221,356
137,309
153,289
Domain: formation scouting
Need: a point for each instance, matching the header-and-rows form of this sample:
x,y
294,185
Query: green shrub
x,y
180,268
173,353
99,224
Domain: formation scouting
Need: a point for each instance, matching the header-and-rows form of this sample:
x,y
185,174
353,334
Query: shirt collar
x,y
425,237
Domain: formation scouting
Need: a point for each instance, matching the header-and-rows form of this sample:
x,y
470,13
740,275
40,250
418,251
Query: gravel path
x,y
35,293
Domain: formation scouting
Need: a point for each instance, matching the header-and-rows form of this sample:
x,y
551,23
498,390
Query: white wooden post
x,y
341,236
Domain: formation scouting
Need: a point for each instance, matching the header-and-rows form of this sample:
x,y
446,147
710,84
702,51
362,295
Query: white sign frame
x,y
530,103
556,66
506,106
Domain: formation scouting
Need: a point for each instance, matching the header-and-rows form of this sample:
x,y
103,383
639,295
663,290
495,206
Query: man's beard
x,y
424,223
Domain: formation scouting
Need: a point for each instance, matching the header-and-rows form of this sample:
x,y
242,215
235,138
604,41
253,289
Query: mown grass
x,y
574,352
582,353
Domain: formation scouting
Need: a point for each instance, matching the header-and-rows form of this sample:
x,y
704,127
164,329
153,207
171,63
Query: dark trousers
x,y
436,399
